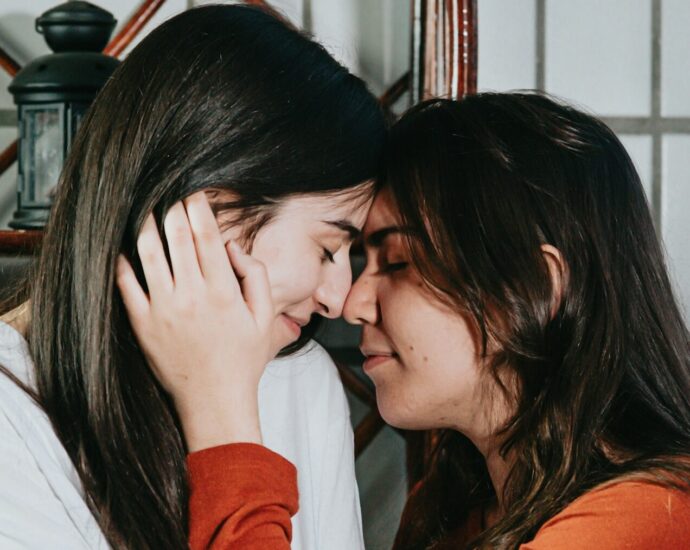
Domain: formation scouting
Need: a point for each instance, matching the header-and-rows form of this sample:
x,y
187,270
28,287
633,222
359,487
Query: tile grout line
x,y
540,46
656,119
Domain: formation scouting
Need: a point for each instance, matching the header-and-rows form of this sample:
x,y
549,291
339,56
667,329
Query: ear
x,y
556,265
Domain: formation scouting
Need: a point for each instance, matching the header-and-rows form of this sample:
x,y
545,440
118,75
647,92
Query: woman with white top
x,y
224,106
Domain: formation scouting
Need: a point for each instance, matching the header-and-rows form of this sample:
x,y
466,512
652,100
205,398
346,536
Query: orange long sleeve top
x,y
627,515
630,515
241,496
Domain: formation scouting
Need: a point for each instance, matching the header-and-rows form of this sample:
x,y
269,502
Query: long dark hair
x,y
603,386
218,97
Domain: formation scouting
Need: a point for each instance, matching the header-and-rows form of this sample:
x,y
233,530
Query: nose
x,y
360,306
331,293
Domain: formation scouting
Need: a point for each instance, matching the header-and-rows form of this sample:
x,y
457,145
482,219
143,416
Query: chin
x,y
278,346
396,414
403,422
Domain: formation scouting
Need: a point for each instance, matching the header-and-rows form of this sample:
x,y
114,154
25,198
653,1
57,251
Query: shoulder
x,y
20,410
628,514
14,353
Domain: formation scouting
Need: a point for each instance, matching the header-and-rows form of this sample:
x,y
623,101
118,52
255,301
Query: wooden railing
x,y
132,28
9,155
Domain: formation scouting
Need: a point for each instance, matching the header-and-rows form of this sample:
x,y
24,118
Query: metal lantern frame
x,y
52,94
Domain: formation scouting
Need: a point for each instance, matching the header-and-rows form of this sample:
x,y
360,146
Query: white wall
x,y
600,55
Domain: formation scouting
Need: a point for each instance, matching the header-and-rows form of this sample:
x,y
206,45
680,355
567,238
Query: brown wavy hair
x,y
603,386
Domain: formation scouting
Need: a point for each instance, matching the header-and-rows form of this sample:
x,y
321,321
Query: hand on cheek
x,y
204,327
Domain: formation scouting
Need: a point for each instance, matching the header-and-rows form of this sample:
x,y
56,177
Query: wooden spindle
x,y
444,48
19,242
8,63
7,157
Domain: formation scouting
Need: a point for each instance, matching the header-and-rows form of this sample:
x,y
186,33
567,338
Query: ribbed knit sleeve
x,y
242,495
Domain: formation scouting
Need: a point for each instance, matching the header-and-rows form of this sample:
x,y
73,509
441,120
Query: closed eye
x,y
393,267
328,256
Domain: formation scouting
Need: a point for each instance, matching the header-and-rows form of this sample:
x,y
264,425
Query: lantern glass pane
x,y
43,160
75,118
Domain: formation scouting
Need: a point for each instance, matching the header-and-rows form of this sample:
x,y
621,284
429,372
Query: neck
x,y
498,468
18,318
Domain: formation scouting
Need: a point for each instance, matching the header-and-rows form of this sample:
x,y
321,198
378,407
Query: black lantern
x,y
52,94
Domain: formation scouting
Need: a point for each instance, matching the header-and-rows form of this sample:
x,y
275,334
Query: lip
x,y
295,325
374,360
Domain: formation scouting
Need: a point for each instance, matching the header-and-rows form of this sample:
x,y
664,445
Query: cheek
x,y
291,281
434,381
439,392
421,330
404,316
292,266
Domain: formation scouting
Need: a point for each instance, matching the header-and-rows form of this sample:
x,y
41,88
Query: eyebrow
x,y
346,226
376,238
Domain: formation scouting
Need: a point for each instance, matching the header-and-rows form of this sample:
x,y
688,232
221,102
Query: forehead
x,y
384,213
352,205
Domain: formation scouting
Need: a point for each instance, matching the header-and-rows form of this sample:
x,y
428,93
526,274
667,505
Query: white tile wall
x,y
292,9
507,43
675,62
335,25
675,212
639,148
381,40
598,53
397,27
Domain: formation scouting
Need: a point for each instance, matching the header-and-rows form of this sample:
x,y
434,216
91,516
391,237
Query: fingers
x,y
212,258
253,281
135,299
181,246
153,260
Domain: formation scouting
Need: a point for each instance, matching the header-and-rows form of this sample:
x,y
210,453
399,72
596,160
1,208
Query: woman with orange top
x,y
515,298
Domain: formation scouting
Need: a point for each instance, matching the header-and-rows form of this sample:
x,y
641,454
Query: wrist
x,y
221,420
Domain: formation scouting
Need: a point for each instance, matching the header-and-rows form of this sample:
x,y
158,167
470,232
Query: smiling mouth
x,y
295,325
